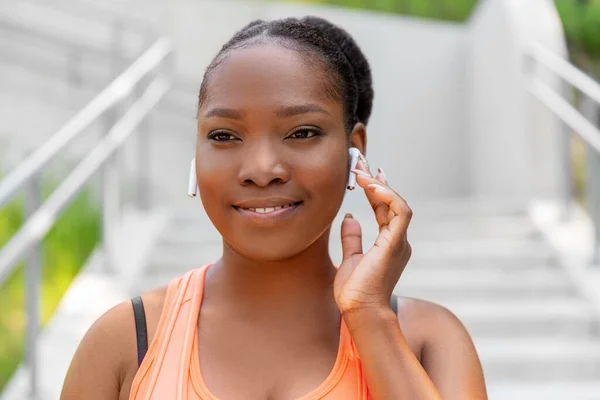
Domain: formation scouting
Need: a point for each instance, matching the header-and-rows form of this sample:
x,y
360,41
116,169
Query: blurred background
x,y
486,119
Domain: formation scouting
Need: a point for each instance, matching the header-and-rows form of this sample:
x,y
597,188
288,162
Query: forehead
x,y
269,74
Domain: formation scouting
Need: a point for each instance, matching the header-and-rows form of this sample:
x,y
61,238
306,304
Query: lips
x,y
266,202
261,210
267,210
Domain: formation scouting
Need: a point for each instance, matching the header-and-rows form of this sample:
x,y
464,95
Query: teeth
x,y
267,210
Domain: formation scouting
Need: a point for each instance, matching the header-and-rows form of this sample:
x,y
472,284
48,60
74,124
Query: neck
x,y
304,281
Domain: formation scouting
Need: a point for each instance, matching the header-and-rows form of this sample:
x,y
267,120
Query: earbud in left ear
x,y
354,157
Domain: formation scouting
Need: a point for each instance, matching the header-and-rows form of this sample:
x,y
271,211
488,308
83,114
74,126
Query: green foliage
x,y
64,251
590,35
452,10
581,22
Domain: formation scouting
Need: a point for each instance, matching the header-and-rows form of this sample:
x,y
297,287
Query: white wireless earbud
x,y
354,157
193,183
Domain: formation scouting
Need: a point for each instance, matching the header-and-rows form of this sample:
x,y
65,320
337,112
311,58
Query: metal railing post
x,y
593,163
33,268
143,155
590,111
143,142
110,199
596,185
566,178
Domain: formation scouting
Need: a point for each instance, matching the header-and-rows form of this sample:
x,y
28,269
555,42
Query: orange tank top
x,y
171,367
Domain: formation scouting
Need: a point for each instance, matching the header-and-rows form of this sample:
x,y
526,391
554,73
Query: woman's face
x,y
270,136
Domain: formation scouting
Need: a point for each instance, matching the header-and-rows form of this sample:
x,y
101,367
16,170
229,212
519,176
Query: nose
x,y
264,165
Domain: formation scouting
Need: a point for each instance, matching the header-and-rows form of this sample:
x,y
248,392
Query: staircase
x,y
536,336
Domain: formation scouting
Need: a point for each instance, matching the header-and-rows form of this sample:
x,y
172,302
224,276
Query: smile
x,y
268,210
264,214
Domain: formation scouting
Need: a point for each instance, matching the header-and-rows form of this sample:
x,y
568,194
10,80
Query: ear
x,y
358,137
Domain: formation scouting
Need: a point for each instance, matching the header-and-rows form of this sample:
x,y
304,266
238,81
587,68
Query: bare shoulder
x,y
444,347
106,359
428,320
428,324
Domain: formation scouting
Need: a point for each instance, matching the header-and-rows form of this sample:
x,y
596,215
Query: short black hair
x,y
333,47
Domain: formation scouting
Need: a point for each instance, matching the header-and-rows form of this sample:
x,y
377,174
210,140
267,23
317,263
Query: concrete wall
x,y
418,127
513,141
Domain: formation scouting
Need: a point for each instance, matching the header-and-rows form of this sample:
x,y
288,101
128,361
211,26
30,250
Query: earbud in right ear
x,y
354,157
193,182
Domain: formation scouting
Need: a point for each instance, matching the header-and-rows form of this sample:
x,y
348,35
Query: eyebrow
x,y
283,112
300,109
224,113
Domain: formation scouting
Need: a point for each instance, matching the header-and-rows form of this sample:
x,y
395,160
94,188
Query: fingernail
x,y
375,186
382,173
361,173
348,215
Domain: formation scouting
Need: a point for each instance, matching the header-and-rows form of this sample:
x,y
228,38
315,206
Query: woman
x,y
279,108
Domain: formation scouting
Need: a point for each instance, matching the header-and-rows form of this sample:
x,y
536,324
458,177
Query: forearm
x,y
391,369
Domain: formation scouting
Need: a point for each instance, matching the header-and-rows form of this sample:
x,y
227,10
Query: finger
x,y
381,212
351,237
402,212
363,165
380,209
381,176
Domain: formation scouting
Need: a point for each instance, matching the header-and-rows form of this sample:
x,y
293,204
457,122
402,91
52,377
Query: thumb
x,y
351,237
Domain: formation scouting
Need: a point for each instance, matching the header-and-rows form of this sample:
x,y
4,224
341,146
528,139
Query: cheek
x,y
216,175
326,177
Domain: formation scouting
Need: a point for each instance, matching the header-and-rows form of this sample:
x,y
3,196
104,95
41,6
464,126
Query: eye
x,y
222,136
305,133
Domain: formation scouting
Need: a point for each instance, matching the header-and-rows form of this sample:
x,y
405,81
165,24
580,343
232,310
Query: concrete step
x,y
482,249
471,228
467,207
546,391
484,282
539,359
530,318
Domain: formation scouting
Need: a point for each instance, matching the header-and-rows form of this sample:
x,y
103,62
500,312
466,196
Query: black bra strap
x,y
140,328
394,303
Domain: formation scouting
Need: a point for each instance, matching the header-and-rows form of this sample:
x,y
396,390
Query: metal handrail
x,y
566,112
588,131
177,86
119,89
38,225
565,70
41,217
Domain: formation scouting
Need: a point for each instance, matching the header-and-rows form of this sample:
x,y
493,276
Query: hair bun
x,y
356,58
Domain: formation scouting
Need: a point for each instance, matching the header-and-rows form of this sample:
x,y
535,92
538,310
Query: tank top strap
x,y
167,360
